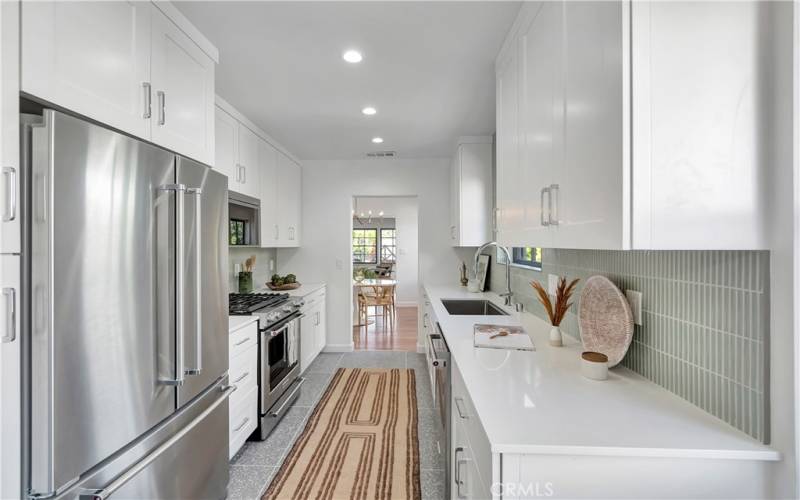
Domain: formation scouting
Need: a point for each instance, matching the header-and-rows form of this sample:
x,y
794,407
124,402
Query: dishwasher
x,y
438,355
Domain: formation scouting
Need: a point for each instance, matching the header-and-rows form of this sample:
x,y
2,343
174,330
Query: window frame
x,y
353,246
393,246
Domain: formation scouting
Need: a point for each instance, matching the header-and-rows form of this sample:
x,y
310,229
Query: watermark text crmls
x,y
534,489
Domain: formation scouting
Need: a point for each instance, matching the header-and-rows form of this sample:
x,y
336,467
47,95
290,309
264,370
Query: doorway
x,y
385,268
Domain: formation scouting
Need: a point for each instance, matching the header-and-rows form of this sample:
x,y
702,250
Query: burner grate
x,y
246,303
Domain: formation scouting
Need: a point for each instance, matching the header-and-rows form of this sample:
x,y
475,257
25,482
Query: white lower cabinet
x,y
478,473
10,383
471,458
313,332
243,373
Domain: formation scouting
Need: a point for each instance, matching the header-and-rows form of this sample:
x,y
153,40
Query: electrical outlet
x,y
635,300
272,265
552,284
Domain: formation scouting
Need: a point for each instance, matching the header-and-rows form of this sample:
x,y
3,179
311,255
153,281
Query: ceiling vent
x,y
382,154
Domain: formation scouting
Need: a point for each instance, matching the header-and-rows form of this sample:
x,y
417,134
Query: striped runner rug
x,y
361,441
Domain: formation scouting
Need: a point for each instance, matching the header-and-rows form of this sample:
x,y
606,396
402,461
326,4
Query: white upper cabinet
x,y
90,57
124,64
701,112
509,223
183,92
471,192
255,166
268,176
616,131
237,154
248,169
226,152
289,198
589,188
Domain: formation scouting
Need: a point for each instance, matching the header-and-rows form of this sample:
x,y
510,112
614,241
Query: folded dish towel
x,y
502,337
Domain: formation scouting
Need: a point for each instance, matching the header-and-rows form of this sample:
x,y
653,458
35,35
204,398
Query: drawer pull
x,y
243,341
459,462
461,413
241,426
244,376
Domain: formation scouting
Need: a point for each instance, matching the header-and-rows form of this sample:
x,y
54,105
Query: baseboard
x,y
338,347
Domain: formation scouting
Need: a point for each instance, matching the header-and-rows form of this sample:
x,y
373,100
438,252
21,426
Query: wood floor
x,y
379,337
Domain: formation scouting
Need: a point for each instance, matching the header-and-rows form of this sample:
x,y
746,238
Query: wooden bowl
x,y
287,286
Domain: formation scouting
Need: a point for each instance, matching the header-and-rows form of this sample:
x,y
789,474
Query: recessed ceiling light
x,y
369,110
377,140
352,56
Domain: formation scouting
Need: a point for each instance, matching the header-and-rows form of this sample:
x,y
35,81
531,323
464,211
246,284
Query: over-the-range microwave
x,y
243,215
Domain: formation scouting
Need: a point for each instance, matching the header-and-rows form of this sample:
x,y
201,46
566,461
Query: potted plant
x,y
556,312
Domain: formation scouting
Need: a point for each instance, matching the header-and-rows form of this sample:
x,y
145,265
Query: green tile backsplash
x,y
705,315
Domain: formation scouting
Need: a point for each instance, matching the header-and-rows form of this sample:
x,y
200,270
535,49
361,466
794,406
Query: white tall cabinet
x,y
10,266
614,131
126,64
471,192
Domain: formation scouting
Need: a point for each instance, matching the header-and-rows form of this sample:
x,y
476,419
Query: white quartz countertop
x,y
237,322
305,289
538,402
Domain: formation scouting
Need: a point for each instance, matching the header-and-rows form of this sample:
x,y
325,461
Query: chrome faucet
x,y
508,296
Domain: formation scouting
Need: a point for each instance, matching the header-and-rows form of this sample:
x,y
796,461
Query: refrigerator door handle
x,y
180,205
197,192
122,479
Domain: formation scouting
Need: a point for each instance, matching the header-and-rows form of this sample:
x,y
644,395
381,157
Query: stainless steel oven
x,y
438,355
279,370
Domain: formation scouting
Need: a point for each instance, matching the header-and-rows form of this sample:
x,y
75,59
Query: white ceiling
x,y
428,68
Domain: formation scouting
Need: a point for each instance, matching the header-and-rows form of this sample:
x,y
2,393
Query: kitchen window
x,y
365,246
526,257
388,245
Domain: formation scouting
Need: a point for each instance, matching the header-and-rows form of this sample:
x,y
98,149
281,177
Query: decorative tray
x,y
502,337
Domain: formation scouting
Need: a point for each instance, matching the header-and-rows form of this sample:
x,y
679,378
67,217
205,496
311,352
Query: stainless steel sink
x,y
472,307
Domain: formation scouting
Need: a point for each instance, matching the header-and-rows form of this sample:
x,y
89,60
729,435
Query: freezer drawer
x,y
186,457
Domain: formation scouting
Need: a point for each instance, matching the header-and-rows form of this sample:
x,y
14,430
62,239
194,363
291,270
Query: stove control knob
x,y
287,308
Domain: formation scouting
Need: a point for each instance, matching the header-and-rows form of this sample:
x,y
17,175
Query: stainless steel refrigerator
x,y
127,318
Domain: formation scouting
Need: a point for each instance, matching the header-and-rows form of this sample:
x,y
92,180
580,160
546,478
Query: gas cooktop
x,y
248,303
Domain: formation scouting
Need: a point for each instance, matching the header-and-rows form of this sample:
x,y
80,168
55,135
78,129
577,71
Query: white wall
x,y
328,191
405,213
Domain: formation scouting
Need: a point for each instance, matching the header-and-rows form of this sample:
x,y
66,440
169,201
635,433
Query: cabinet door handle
x,y
458,463
243,341
244,376
425,320
244,422
461,413
244,174
277,231
318,318
542,219
11,314
148,98
10,175
552,202
162,107
495,216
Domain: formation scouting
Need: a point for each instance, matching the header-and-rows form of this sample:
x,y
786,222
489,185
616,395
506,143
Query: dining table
x,y
371,282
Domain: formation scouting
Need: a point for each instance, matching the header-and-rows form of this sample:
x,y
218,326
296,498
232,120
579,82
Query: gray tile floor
x,y
256,463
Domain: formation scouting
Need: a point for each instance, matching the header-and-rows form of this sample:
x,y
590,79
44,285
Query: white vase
x,y
555,337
